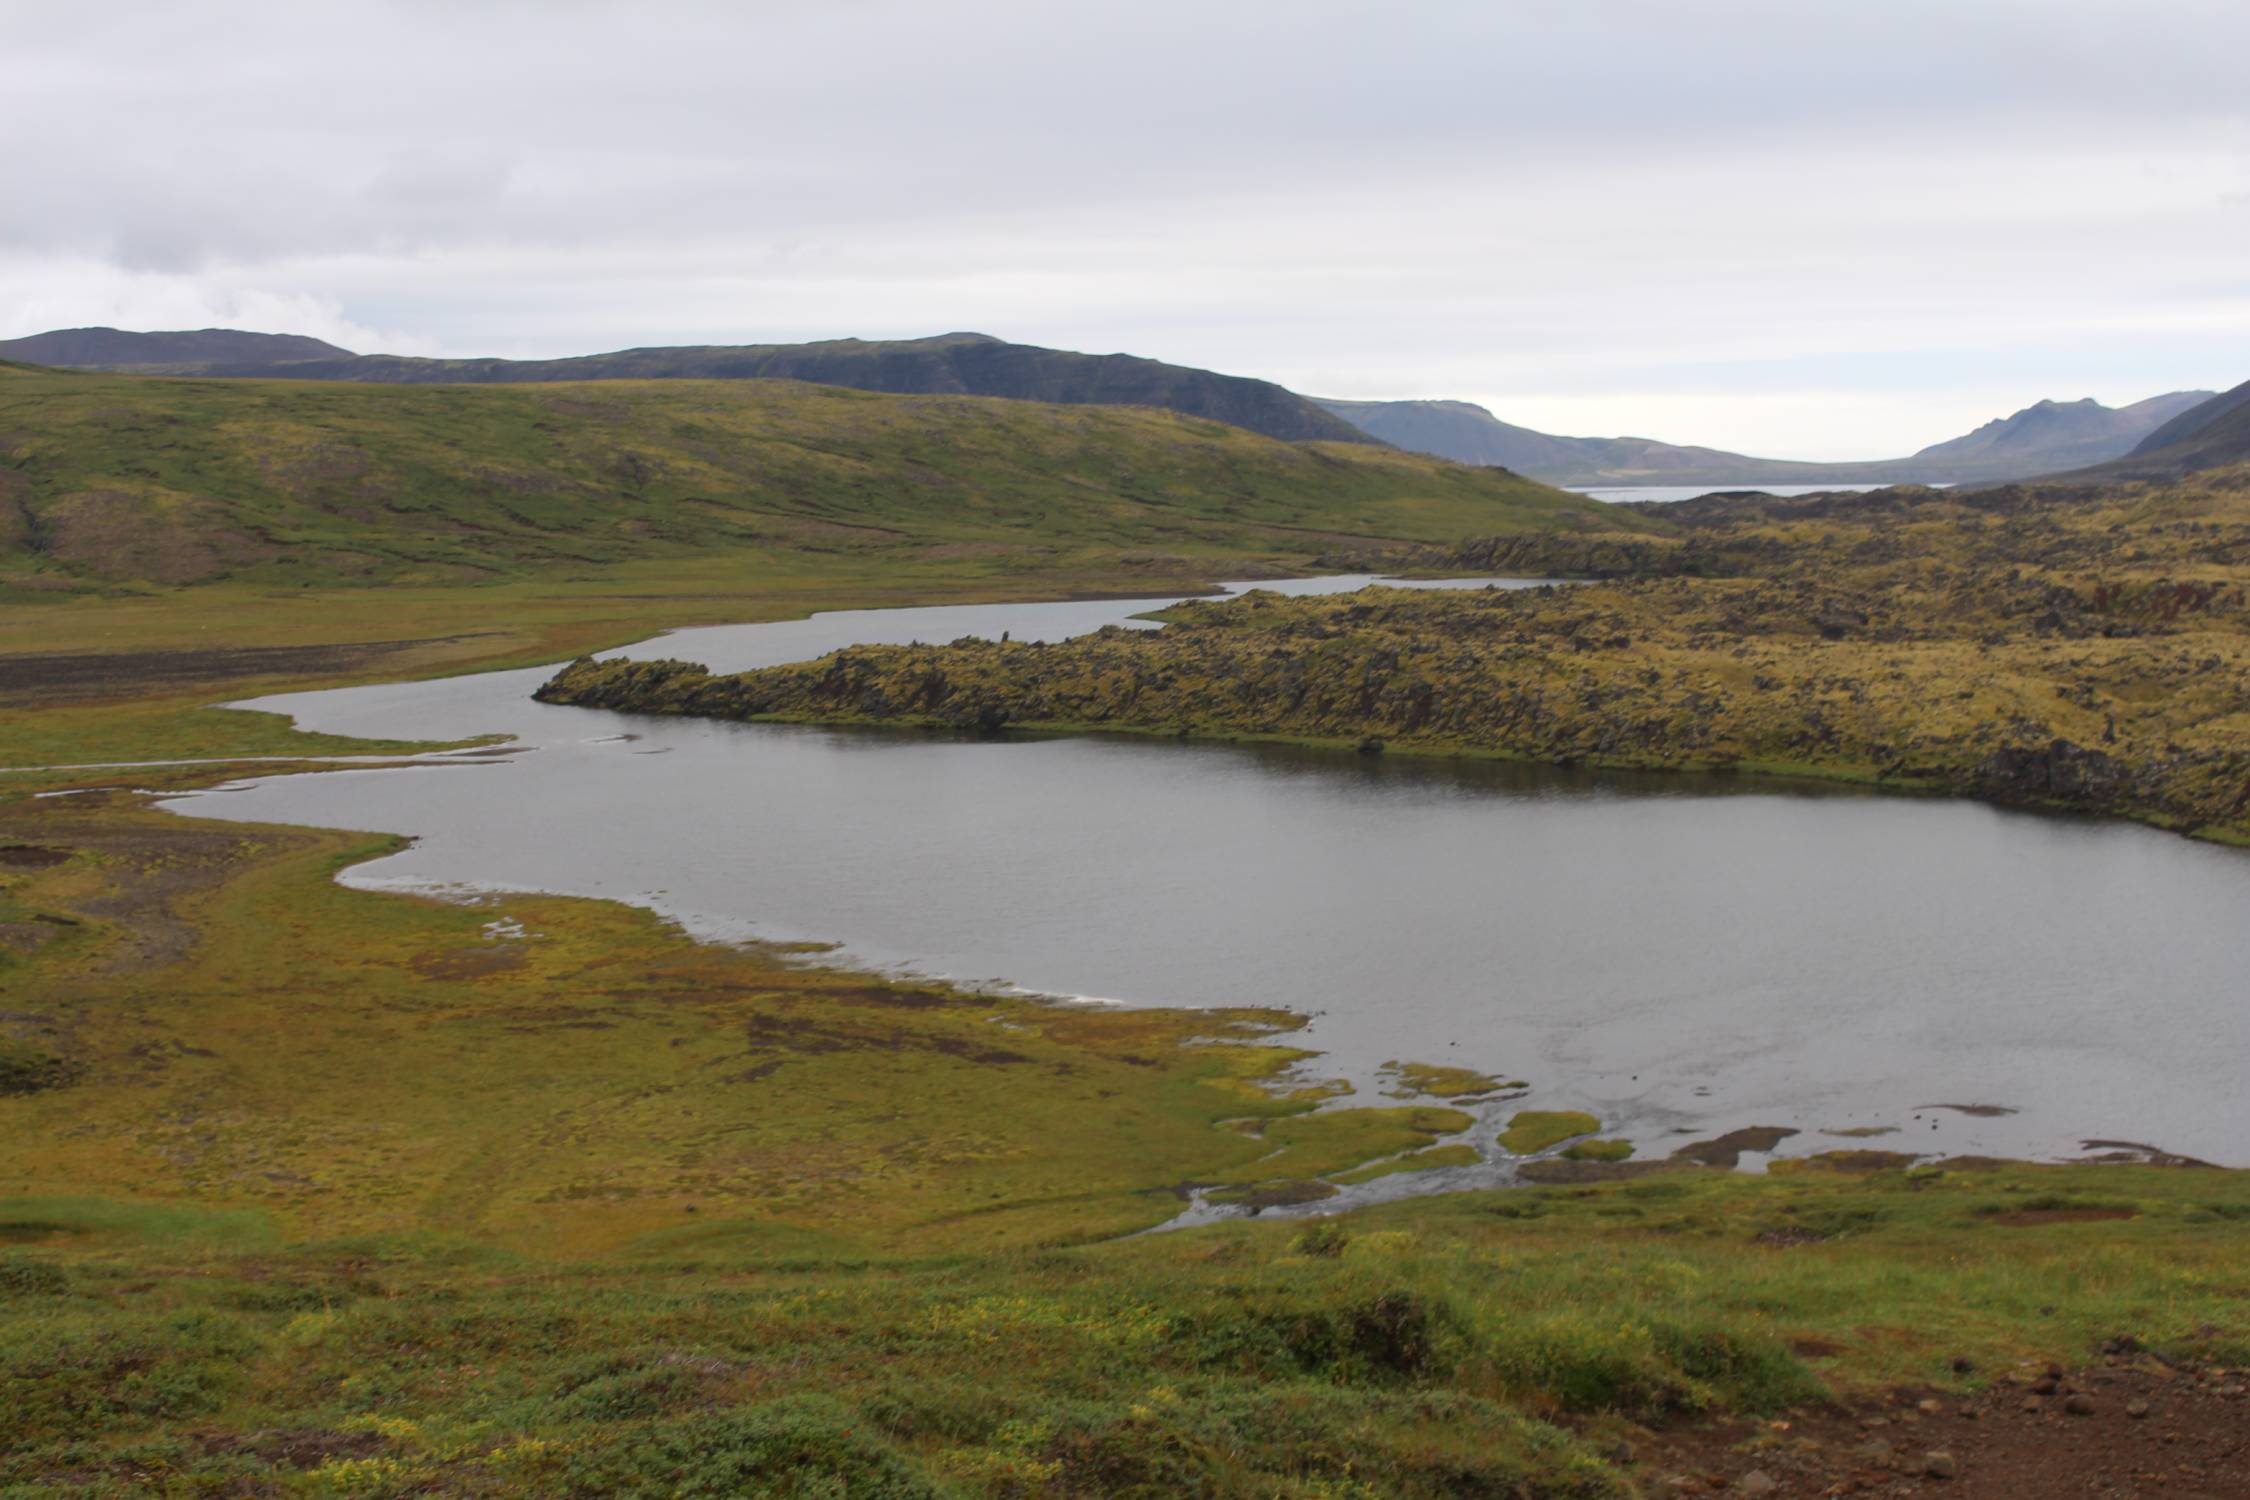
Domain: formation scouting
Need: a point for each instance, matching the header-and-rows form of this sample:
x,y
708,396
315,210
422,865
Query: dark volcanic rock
x,y
2057,771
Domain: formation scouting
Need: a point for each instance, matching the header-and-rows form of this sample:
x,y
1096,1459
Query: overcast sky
x,y
1797,228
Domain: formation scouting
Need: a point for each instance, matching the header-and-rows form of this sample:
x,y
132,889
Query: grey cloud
x,y
1594,189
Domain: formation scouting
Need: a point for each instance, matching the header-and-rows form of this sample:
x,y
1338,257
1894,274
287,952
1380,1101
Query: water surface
x,y
1618,493
1678,955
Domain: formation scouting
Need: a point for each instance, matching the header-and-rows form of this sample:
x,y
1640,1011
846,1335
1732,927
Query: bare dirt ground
x,y
2133,1426
144,875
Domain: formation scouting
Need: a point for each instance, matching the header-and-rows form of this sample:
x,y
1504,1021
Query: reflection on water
x,y
1672,953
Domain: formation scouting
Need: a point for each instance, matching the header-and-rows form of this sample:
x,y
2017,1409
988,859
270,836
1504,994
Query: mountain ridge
x,y
2207,436
179,351
2039,439
954,364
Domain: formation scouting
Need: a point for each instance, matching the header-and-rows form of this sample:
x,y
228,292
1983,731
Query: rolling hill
x,y
126,478
2039,439
954,364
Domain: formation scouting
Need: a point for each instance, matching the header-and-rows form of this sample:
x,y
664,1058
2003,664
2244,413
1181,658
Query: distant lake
x,y
1680,955
1669,492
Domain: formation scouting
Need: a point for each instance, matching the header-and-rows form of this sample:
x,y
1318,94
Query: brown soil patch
x,y
2129,1427
469,963
1863,1161
1726,1150
31,857
78,675
301,1448
28,937
166,539
888,999
1789,1236
151,871
2032,1217
1285,1194
2136,1153
1556,1171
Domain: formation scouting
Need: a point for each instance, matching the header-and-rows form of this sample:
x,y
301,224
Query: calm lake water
x,y
1674,954
1671,492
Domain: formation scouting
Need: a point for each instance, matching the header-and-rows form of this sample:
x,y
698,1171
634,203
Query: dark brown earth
x,y
152,872
2132,1426
2031,1218
45,678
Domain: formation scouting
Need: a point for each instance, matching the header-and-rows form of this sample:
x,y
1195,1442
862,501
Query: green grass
x,y
1616,1150
175,481
1494,1343
1531,1131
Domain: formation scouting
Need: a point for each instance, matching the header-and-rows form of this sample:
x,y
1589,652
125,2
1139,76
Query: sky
x,y
1795,228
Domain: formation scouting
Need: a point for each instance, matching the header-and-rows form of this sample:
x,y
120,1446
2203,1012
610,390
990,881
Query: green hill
x,y
955,364
118,478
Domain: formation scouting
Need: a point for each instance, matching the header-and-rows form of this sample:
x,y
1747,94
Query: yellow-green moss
x,y
1534,1130
1611,1150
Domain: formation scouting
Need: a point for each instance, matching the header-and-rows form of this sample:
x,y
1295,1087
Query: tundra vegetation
x,y
2079,650
308,1190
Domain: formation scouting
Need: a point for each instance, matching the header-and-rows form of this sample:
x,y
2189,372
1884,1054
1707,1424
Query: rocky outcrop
x,y
1950,657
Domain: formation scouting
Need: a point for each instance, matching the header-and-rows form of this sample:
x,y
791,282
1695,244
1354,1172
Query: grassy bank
x,y
227,1026
134,675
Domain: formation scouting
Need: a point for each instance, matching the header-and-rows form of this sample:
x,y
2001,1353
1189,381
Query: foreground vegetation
x,y
2086,651
306,1190
1497,1344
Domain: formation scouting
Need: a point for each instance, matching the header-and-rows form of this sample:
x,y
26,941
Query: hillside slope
x,y
2209,436
2058,434
2046,436
182,481
954,364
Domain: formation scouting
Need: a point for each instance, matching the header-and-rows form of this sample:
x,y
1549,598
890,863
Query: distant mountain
x,y
955,364
2207,436
2039,439
2064,434
1469,434
183,353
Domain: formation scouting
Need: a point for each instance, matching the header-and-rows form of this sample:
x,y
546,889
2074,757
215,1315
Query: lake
x,y
1666,493
1679,955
